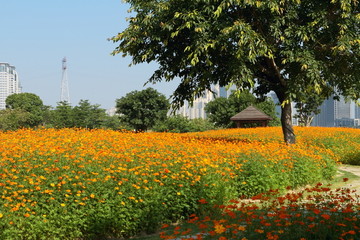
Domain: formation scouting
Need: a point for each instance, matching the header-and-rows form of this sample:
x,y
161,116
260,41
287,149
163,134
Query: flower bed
x,y
73,183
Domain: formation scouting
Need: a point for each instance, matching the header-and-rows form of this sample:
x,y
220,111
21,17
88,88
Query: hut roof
x,y
250,113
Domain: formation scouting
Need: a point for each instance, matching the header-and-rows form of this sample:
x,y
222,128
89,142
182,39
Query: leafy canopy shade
x,y
263,45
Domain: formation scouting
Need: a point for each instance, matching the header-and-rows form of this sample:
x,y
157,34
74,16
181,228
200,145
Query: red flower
x,y
316,211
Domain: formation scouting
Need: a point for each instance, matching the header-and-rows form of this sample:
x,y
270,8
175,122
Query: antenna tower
x,y
65,96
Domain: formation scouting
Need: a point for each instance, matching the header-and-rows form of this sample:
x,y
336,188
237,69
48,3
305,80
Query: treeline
x,y
26,110
146,110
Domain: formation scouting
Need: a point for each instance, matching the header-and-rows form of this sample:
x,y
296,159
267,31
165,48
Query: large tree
x,y
264,45
142,109
30,103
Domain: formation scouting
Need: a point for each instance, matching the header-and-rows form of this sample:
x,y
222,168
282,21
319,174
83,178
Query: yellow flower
x,y
1,215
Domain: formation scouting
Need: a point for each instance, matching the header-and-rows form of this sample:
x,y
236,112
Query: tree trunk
x,y
286,123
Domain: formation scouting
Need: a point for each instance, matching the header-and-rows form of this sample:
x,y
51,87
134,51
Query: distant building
x,y
197,110
9,82
327,115
111,111
340,113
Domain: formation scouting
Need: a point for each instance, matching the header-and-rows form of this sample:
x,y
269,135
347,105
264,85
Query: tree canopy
x,y
13,119
84,115
87,115
261,45
142,109
27,102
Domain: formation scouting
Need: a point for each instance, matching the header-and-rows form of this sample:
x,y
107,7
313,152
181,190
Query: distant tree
x,y
220,110
30,103
181,124
87,115
201,125
142,109
265,45
177,123
307,108
13,119
63,115
112,122
47,116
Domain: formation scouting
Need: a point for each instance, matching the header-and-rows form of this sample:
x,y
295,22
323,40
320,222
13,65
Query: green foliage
x,y
87,115
200,125
12,119
84,115
111,122
307,107
63,116
352,158
30,103
181,124
142,109
220,110
262,45
103,184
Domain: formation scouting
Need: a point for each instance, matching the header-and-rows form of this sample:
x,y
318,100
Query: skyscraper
x,y
337,113
9,82
197,110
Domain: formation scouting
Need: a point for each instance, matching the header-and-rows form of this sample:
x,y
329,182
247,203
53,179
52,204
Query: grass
x,y
312,199
338,180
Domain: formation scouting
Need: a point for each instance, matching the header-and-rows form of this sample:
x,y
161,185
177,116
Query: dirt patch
x,y
353,174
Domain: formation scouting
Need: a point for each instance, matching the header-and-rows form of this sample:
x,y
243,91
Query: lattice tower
x,y
65,95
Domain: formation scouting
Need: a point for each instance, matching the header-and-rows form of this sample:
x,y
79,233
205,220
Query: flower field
x,y
98,184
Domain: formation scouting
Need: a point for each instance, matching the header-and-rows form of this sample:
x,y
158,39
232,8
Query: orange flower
x,y
219,228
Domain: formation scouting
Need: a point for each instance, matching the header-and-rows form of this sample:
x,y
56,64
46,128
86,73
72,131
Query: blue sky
x,y
36,35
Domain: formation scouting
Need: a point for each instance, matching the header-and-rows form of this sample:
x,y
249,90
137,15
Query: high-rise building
x,y
337,113
9,82
357,111
197,110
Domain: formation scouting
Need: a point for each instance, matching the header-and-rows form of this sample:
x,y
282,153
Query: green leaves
x,y
29,103
142,109
279,45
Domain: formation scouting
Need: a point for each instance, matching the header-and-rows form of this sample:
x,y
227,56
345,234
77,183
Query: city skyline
x,y
42,33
